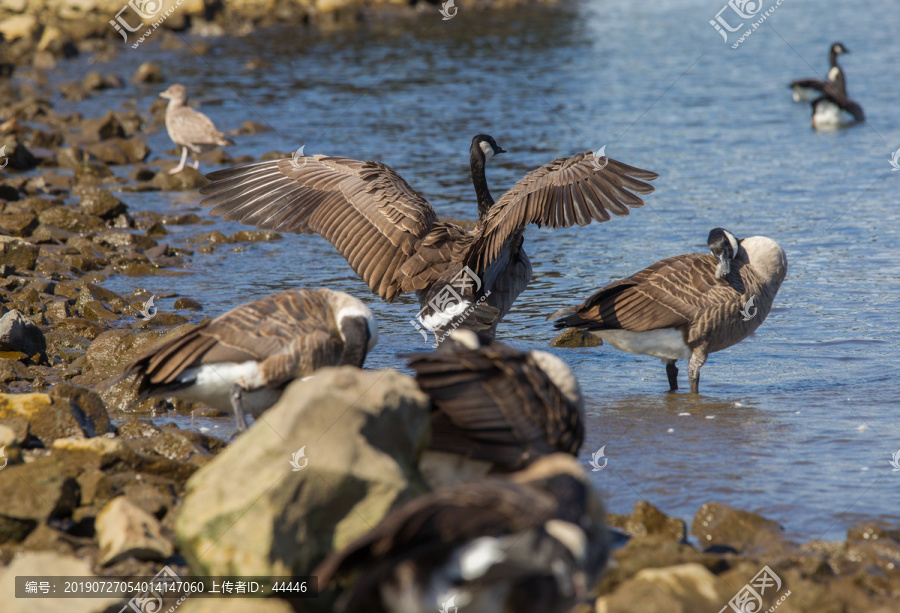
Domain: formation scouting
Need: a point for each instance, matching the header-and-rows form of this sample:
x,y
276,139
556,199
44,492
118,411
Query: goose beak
x,y
499,150
724,266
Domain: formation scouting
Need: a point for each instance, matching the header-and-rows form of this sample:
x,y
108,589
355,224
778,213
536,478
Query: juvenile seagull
x,y
245,358
392,238
189,128
686,306
534,543
807,90
495,408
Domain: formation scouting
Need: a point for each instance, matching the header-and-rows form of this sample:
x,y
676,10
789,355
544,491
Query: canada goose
x,y
834,112
687,306
391,236
495,408
189,128
244,358
532,543
807,90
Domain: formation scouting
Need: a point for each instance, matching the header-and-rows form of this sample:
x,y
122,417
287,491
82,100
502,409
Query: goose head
x,y
839,48
357,328
724,247
485,147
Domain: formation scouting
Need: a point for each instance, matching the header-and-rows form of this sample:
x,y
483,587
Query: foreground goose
x,y
687,306
244,358
188,128
832,112
495,408
532,544
392,238
807,90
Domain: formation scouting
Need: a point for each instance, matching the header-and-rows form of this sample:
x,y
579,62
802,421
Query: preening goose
x,y
807,90
687,306
244,358
392,238
532,544
495,408
188,128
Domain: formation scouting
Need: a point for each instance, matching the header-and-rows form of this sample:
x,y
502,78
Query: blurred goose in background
x,y
188,128
391,237
533,543
495,408
835,112
807,90
245,358
686,306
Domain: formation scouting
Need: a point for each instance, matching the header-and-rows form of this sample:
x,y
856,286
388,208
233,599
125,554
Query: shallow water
x,y
798,422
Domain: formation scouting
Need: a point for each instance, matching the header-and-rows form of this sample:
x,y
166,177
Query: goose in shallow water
x,y
495,408
392,238
244,359
835,112
532,543
686,306
807,90
190,129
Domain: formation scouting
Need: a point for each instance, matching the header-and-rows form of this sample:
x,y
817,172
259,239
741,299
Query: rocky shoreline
x,y
90,486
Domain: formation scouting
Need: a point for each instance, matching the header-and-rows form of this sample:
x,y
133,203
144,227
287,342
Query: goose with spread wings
x,y
392,238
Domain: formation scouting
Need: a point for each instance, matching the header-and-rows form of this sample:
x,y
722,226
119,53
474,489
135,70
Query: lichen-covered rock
x,y
354,438
573,337
50,418
125,530
101,203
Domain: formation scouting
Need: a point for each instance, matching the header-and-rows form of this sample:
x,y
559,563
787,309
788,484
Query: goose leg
x,y
195,164
672,372
180,166
236,403
698,359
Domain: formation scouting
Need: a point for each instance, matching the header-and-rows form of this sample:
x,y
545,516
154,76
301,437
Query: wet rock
x,y
17,255
109,353
108,126
96,453
70,219
18,224
91,173
148,72
188,304
157,230
687,588
125,530
87,401
187,179
95,311
49,564
253,127
358,467
58,43
81,327
94,81
9,193
51,418
19,334
719,524
119,151
58,309
647,519
13,370
33,493
19,26
116,239
19,157
101,203
574,337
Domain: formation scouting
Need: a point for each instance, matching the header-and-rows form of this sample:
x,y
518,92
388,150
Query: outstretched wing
x,y
365,209
563,193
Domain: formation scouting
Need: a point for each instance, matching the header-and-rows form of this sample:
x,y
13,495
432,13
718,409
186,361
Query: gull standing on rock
x,y
188,128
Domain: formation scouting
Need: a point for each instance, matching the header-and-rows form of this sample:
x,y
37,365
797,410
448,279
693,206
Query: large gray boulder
x,y
317,470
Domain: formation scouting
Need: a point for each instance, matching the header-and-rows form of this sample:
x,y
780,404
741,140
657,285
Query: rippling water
x,y
798,422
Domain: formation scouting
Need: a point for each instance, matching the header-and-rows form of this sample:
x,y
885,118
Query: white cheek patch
x,y
734,243
488,150
364,312
479,557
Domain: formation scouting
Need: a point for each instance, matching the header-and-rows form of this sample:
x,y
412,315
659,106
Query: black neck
x,y
476,162
356,341
833,58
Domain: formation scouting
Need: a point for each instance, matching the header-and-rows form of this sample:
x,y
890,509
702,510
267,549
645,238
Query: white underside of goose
x,y
665,343
212,385
829,116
